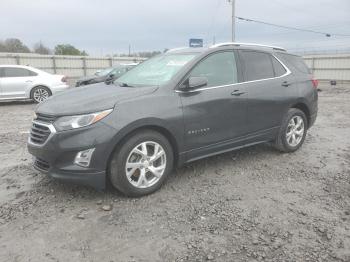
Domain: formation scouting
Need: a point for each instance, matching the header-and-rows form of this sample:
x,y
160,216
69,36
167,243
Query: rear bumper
x,y
59,88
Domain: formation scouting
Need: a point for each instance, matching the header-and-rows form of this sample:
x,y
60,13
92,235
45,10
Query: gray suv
x,y
175,108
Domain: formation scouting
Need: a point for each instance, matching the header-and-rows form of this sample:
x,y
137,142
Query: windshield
x,y
155,71
104,72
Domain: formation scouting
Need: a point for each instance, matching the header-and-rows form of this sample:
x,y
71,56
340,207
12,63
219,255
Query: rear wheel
x,y
292,132
142,164
40,94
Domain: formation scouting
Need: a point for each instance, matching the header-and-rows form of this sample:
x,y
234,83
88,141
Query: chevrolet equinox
x,y
180,106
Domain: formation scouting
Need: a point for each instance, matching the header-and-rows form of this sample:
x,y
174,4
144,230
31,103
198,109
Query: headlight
x,y
72,122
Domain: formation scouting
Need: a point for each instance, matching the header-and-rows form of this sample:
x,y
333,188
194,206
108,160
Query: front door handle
x,y
237,93
285,83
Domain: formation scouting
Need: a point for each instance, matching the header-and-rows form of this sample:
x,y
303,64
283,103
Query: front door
x,y
214,115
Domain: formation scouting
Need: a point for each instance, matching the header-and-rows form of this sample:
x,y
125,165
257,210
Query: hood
x,y
88,99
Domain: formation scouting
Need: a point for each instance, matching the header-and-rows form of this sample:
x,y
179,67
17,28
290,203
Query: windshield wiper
x,y
123,84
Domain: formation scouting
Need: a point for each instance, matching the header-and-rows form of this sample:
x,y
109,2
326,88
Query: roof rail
x,y
247,44
176,49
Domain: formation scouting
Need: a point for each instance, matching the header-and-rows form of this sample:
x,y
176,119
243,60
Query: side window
x,y
219,68
16,72
297,62
257,65
278,68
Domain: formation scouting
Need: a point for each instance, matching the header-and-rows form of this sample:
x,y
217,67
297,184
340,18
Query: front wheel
x,y
142,164
40,94
292,131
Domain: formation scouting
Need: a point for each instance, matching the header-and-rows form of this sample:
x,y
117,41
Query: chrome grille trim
x,y
40,133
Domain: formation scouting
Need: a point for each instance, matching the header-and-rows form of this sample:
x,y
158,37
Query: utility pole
x,y
233,2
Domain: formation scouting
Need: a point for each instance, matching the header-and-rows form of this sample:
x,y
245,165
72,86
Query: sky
x,y
109,26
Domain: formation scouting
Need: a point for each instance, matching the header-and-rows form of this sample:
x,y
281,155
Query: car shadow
x,y
178,177
16,102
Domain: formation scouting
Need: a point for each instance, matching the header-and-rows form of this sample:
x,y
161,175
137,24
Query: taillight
x,y
64,79
314,82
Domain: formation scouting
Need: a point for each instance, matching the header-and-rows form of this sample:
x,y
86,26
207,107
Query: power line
x,y
290,28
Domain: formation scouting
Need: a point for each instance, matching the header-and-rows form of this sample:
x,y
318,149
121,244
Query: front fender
x,y
173,133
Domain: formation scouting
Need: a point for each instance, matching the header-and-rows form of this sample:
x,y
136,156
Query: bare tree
x,y
40,48
2,47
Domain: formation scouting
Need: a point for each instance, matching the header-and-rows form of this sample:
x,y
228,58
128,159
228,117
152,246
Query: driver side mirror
x,y
196,82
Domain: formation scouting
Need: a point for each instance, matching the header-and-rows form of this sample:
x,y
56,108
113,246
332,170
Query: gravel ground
x,y
254,204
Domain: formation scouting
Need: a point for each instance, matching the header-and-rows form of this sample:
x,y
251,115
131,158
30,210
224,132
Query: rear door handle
x,y
237,93
29,81
285,83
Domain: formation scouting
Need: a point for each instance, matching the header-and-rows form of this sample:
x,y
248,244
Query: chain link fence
x,y
330,67
71,66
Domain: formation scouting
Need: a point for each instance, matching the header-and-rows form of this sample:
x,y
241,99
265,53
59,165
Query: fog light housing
x,y
83,158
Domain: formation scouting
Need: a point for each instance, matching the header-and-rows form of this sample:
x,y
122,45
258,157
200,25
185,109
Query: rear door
x,y
16,81
213,116
270,87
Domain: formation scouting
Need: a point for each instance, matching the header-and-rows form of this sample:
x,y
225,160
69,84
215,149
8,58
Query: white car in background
x,y
25,82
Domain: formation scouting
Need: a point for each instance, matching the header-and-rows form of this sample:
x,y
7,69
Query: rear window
x,y
257,65
296,62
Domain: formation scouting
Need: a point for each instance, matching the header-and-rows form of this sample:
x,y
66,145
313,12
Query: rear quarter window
x,y
296,62
277,67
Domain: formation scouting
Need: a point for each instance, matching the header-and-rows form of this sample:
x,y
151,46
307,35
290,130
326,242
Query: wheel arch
x,y
38,85
305,109
130,130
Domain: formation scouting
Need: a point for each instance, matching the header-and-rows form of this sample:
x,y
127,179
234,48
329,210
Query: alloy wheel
x,y
145,164
295,131
40,94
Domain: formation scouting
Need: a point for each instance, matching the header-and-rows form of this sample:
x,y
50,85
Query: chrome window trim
x,y
49,126
288,72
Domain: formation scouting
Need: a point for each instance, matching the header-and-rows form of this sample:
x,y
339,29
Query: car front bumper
x,y
56,155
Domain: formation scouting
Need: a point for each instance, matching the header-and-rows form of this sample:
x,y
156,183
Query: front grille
x,y
45,118
39,133
41,164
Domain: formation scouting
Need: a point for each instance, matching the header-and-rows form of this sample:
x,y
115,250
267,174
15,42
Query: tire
x,y
284,141
40,94
131,181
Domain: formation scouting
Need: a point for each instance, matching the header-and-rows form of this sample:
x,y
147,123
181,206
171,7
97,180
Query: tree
x,y
14,45
67,49
39,48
